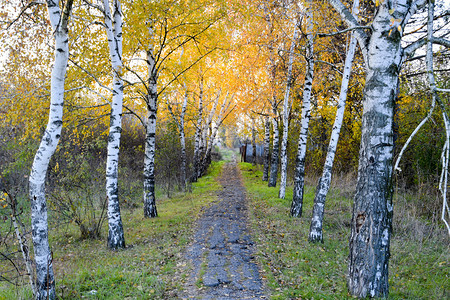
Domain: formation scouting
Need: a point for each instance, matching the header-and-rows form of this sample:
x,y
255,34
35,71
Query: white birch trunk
x,y
265,176
299,177
273,159
315,231
443,182
220,118
372,209
45,284
183,142
207,143
253,142
198,133
202,149
286,112
180,126
275,149
150,142
116,237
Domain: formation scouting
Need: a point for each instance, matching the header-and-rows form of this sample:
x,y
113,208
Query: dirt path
x,y
222,250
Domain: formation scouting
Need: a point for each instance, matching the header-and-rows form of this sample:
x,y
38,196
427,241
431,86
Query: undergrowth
x,y
151,266
297,269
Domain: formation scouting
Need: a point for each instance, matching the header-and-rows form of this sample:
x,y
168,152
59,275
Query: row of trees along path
x,y
222,250
384,52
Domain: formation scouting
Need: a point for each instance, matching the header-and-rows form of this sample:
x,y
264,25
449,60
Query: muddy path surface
x,y
222,250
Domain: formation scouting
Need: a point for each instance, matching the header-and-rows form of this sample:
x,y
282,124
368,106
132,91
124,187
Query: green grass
x,y
151,267
228,154
295,268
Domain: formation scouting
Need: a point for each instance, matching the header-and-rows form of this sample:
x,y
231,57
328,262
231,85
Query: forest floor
x,y
222,251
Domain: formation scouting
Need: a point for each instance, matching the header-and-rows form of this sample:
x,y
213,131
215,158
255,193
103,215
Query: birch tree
x,y
113,27
150,143
266,155
224,111
315,231
275,147
253,141
180,125
39,220
273,115
372,210
198,132
443,183
170,38
434,98
208,139
299,177
286,111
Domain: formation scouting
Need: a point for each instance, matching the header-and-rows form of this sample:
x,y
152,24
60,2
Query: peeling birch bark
x,y
113,22
299,175
372,210
45,284
150,210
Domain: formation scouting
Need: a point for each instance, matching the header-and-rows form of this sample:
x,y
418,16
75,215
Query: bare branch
x,y
131,112
351,22
90,74
185,70
96,6
441,41
32,3
343,31
410,49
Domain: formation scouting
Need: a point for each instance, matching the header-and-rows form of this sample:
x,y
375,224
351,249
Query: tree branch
x,y
343,31
352,22
184,71
32,3
91,75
